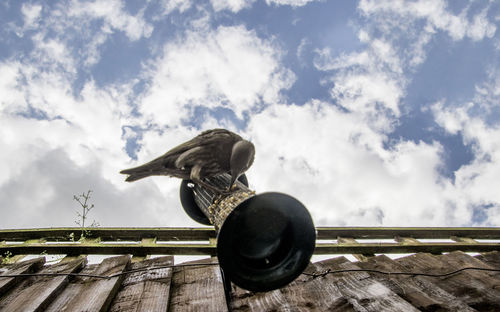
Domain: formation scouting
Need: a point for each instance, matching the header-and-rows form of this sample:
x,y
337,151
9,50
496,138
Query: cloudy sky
x,y
372,113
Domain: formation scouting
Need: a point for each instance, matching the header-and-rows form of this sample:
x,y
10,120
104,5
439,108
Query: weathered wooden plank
x,y
71,289
462,285
377,248
352,241
464,240
491,258
415,232
407,240
112,234
420,292
209,249
92,294
109,249
459,259
363,292
197,288
35,293
186,234
145,242
145,290
28,266
15,258
305,294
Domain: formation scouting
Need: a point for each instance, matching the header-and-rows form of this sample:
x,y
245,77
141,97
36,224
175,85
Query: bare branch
x,y
83,200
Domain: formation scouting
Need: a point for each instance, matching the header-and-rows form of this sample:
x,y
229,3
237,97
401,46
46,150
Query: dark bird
x,y
211,153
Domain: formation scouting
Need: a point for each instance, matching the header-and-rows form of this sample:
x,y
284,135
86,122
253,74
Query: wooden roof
x,y
133,281
198,286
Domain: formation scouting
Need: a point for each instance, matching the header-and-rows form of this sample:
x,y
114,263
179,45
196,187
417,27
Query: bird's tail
x,y
135,176
153,168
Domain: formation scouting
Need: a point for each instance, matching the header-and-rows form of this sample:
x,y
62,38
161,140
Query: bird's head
x,y
242,157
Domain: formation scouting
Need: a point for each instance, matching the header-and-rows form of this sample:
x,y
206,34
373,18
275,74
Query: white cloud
x,y
476,184
293,3
114,16
372,80
337,166
92,54
417,53
488,92
363,92
232,5
436,14
78,145
368,82
237,5
371,84
55,28
55,143
12,99
31,13
66,140
481,27
58,141
53,53
228,67
170,5
304,42
41,195
409,26
83,127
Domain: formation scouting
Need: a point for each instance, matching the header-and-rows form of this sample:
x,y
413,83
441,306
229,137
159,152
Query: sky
x,y
371,113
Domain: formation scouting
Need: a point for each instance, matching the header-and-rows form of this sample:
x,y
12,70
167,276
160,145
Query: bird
x,y
209,154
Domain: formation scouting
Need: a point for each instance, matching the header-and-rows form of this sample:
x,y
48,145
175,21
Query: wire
x,y
322,274
106,276
313,275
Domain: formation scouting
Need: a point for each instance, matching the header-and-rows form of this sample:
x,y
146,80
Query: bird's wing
x,y
206,138
190,152
158,166
189,156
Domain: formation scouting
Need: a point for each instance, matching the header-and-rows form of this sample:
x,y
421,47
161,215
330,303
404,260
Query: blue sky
x,y
374,113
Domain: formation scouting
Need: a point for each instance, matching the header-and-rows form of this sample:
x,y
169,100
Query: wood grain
x,y
361,291
420,292
303,294
490,258
145,290
28,266
92,294
198,288
352,241
463,285
36,293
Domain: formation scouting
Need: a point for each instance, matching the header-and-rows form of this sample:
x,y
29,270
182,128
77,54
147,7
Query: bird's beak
x,y
233,179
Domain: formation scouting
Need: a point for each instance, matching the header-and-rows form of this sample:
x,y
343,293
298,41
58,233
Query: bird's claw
x,y
231,189
226,192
